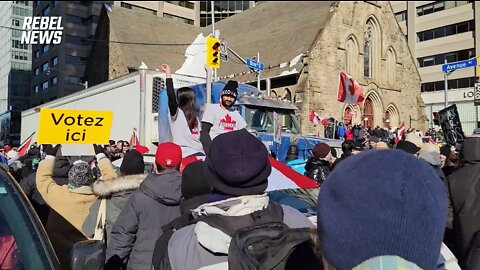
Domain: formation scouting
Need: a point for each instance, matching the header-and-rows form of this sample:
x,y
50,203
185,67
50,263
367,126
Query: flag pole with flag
x,y
349,91
316,119
22,149
400,132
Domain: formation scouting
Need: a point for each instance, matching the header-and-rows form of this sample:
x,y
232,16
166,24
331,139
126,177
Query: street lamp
x,y
49,71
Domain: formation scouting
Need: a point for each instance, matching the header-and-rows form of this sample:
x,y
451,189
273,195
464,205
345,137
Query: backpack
x,y
273,246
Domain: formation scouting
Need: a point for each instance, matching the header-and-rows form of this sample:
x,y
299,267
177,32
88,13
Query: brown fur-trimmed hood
x,y
122,183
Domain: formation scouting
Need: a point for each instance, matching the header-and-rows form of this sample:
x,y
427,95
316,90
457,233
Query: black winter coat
x,y
317,169
464,186
139,225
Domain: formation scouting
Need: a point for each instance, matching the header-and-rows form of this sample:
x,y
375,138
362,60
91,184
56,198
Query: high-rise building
x,y
181,11
15,57
222,10
439,31
58,70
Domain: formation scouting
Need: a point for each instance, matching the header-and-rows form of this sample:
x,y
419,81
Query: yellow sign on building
x,y
74,126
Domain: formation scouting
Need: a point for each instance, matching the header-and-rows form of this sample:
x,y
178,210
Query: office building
x,y
439,31
15,57
180,11
58,70
222,10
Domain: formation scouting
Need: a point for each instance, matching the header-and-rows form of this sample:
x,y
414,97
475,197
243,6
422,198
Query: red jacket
x,y
349,136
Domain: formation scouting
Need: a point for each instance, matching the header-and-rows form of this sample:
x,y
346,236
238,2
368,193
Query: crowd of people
x,y
382,204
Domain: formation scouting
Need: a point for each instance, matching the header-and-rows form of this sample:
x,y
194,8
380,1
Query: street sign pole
x,y
445,76
258,74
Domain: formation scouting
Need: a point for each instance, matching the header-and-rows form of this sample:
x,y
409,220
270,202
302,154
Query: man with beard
x,y
221,118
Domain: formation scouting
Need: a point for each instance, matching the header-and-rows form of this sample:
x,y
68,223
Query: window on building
x,y
439,59
391,66
439,6
35,89
452,84
46,11
54,61
76,20
15,22
446,31
45,85
37,71
71,80
137,8
186,4
370,48
54,3
75,40
37,54
351,53
401,16
69,59
45,48
54,81
45,67
177,18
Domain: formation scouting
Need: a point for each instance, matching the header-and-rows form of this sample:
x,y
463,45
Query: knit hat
x,y
238,164
321,150
132,163
230,89
80,175
168,154
415,139
395,205
408,147
445,150
194,180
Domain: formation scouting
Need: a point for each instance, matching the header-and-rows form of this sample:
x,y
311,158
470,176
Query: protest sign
x,y
451,125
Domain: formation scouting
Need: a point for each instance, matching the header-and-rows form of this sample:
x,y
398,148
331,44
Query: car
x,y
24,244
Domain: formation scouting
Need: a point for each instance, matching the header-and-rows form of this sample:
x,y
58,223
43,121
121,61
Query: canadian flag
x,y
401,131
349,91
317,119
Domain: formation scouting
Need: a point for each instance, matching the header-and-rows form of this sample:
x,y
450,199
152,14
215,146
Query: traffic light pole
x,y
209,84
445,77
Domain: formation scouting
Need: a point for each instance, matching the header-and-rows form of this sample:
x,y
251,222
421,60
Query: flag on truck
x,y
316,119
284,177
349,91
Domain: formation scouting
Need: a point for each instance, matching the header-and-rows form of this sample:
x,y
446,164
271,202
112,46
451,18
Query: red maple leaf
x,y
228,123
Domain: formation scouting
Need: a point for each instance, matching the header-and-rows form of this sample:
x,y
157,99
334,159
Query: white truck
x,y
122,97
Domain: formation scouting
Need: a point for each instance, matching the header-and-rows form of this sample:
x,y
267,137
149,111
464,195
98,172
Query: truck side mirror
x,y
89,255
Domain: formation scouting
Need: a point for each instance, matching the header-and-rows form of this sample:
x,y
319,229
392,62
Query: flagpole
x,y
27,138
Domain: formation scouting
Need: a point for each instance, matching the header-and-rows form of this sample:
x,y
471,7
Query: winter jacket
x,y
116,192
342,158
341,130
29,186
464,186
317,169
139,225
349,136
203,246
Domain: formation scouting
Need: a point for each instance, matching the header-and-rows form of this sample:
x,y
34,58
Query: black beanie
x,y
238,164
132,163
408,147
230,89
194,180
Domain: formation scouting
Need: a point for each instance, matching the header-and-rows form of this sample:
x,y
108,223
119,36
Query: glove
x,y
50,150
98,149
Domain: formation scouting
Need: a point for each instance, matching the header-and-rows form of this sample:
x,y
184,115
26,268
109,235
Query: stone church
x,y
303,45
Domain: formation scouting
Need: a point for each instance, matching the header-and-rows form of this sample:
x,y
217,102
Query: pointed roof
x,y
282,31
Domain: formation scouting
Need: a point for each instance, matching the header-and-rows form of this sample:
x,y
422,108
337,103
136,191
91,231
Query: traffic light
x,y
213,52
435,119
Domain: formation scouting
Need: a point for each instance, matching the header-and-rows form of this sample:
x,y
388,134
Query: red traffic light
x,y
216,45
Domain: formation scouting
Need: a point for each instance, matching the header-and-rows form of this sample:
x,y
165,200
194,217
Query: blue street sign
x,y
254,64
459,65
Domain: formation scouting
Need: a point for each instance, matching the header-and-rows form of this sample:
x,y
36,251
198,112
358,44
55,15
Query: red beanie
x,y
168,154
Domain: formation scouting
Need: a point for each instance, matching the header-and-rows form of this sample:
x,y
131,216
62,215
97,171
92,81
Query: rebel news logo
x,y
42,30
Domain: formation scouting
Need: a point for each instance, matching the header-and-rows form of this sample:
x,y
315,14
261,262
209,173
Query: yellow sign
x,y
74,126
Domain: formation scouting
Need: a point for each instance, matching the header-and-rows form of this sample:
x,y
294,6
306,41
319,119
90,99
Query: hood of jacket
x,y
123,183
431,157
165,188
471,149
61,167
214,239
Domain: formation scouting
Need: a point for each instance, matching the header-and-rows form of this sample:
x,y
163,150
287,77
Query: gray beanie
x,y
80,175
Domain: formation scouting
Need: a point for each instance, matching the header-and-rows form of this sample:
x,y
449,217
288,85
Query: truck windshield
x,y
260,119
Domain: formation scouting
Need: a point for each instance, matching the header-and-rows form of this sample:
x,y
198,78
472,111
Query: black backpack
x,y
273,246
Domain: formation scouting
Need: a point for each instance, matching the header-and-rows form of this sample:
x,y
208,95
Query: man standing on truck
x,y
221,118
